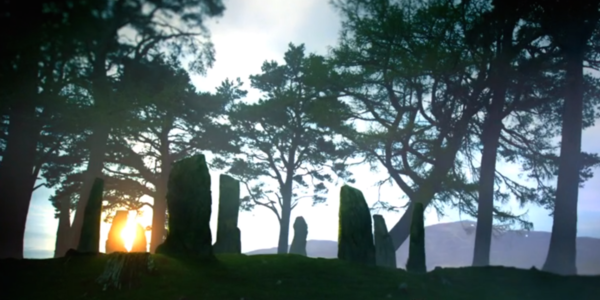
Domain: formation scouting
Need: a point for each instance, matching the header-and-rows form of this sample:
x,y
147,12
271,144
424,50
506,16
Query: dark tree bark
x,y
444,162
571,24
284,222
159,213
417,261
561,257
62,233
159,209
17,165
490,136
94,170
98,145
15,181
485,209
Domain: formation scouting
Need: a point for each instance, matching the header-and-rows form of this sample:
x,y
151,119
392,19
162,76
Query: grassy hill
x,y
452,244
284,277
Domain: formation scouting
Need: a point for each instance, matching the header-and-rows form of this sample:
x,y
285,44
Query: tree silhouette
x,y
279,138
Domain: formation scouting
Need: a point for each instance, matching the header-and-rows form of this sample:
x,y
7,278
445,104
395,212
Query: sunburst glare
x,y
128,233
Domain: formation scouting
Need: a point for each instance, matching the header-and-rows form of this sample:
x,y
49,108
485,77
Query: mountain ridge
x,y
520,249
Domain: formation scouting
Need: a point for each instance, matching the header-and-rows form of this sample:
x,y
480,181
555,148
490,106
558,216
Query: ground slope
x,y
285,277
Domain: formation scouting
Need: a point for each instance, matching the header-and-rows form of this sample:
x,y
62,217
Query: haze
x,y
250,32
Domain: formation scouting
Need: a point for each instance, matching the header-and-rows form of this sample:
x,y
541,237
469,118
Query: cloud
x,y
254,31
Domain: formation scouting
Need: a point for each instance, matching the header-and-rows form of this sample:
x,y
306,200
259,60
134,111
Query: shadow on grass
x,y
285,277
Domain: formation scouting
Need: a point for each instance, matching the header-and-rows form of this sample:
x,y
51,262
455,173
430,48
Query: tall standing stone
x,y
115,242
228,234
355,237
140,243
189,205
300,234
416,251
385,256
89,240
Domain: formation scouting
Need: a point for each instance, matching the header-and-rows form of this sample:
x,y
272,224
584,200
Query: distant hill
x,y
451,245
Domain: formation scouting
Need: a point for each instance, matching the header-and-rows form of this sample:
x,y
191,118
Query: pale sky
x,y
250,32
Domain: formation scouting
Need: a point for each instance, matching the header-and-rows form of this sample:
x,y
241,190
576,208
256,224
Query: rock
x,y
123,270
90,230
228,234
355,238
115,242
140,243
189,206
300,233
385,255
416,251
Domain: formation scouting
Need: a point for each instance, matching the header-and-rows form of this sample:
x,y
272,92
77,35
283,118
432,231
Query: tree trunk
x,y
284,223
18,162
485,209
99,139
159,210
400,232
417,260
94,170
159,215
64,226
490,137
561,257
15,182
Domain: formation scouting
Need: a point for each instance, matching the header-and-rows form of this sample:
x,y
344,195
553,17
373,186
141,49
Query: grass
x,y
286,277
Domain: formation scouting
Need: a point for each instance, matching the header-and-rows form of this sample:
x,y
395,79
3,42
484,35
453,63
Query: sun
x,y
128,233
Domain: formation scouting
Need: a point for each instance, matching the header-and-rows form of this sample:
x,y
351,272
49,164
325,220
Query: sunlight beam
x,y
128,233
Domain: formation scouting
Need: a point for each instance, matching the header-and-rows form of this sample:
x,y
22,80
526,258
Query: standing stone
x,y
385,256
355,237
115,242
416,251
189,205
300,233
140,242
89,240
228,234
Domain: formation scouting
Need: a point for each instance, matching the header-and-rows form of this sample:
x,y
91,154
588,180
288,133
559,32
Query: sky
x,y
250,32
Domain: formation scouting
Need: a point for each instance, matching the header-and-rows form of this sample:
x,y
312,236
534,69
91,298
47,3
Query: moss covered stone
x,y
300,233
228,234
89,240
355,236
416,251
385,255
189,205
